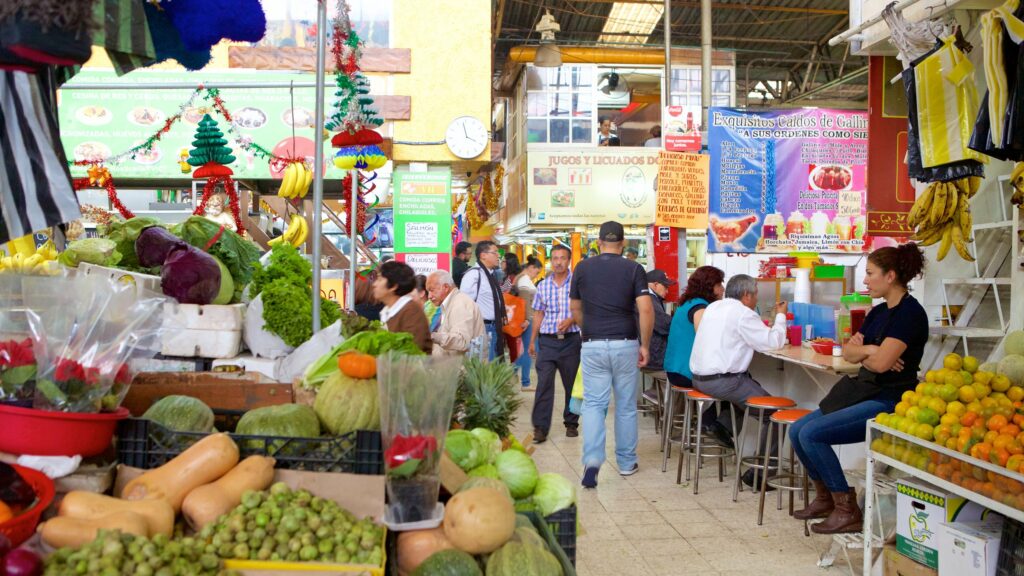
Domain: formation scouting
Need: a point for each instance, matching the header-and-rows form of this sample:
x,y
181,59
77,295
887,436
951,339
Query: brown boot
x,y
846,517
820,507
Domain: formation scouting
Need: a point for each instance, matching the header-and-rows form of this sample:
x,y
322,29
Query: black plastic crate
x,y
1011,549
563,528
145,444
544,529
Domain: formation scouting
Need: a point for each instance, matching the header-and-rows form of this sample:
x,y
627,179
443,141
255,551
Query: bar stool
x,y
700,401
790,482
670,421
762,404
651,401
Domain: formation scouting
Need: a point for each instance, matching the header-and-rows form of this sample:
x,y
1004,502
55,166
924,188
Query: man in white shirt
x,y
729,334
480,284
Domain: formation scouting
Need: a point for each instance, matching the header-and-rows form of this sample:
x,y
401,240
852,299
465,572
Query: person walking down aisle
x,y
703,287
555,344
730,332
609,299
527,290
458,320
658,283
889,347
461,262
394,289
480,284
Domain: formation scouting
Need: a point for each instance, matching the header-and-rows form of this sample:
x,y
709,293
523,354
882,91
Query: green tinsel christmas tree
x,y
209,145
353,109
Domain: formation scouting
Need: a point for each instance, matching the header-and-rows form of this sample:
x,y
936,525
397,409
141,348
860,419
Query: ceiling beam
x,y
755,39
726,6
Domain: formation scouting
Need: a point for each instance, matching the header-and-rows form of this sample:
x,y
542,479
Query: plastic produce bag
x,y
85,331
295,364
17,357
576,398
258,339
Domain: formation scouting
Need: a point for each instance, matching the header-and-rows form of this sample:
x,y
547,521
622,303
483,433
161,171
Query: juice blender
x,y
796,224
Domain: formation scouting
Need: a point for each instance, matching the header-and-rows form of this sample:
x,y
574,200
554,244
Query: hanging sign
x,y
422,218
683,190
679,131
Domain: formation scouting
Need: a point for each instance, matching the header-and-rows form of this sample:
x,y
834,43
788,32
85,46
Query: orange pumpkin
x,y
357,365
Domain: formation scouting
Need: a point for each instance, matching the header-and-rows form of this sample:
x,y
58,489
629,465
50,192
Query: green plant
x,y
487,396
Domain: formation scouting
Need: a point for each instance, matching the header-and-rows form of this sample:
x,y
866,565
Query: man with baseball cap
x,y
611,303
658,283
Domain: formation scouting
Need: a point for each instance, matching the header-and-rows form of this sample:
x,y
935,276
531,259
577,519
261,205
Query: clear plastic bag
x,y
17,357
85,330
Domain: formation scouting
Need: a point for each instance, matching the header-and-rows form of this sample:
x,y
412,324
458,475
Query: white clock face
x,y
466,137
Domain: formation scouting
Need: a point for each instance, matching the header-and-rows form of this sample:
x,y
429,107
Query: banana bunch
x,y
1017,181
295,234
35,263
942,214
296,181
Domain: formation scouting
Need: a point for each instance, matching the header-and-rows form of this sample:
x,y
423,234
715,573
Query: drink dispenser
x,y
851,316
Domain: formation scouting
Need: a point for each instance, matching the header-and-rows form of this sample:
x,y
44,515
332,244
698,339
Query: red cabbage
x,y
154,244
190,276
22,562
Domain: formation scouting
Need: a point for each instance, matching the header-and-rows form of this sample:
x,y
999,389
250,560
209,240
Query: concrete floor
x,y
646,524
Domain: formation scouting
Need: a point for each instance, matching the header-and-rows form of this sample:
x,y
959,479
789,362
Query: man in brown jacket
x,y
460,320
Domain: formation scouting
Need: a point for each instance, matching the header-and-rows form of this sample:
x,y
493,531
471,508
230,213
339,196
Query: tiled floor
x,y
646,524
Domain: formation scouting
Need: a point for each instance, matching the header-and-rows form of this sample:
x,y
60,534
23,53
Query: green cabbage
x,y
288,420
484,471
554,492
518,472
98,251
181,413
489,442
464,449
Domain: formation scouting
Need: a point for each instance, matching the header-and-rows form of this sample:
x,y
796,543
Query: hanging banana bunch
x,y
942,214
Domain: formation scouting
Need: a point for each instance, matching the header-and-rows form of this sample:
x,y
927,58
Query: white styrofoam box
x,y
249,363
210,317
970,548
185,342
143,282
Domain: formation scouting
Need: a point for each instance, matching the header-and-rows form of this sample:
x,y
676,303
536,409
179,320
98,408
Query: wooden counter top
x,y
810,359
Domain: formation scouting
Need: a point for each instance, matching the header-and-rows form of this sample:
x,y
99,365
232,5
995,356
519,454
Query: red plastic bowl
x,y
823,347
23,526
44,433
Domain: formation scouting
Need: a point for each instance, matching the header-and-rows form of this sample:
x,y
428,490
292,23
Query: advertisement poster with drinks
x,y
787,180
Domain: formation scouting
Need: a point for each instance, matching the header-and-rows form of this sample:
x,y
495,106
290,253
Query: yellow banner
x,y
683,181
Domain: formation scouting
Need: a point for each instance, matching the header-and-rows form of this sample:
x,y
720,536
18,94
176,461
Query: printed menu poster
x,y
787,180
422,218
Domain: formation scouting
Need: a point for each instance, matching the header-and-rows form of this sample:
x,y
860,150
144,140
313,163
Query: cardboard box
x,y
970,548
921,509
897,564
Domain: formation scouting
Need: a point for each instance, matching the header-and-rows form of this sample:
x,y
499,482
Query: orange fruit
x,y
5,512
999,457
1015,447
990,436
996,422
1015,393
981,450
1001,441
952,443
1010,430
1015,461
968,418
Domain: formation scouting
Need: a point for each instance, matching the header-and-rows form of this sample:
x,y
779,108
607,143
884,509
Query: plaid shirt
x,y
553,301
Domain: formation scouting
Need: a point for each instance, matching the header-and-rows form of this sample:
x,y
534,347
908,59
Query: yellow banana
x,y
960,243
921,207
964,218
309,179
302,234
276,240
947,241
48,250
929,236
938,207
288,182
952,201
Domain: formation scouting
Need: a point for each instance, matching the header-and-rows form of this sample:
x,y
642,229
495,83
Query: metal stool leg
x,y
721,461
782,443
739,451
666,430
764,473
700,421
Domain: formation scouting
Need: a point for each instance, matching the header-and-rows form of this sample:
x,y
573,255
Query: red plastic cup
x,y
795,332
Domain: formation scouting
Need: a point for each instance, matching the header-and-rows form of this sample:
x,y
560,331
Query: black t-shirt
x,y
908,323
608,285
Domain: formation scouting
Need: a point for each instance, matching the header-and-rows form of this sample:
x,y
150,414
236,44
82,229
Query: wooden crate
x,y
219,390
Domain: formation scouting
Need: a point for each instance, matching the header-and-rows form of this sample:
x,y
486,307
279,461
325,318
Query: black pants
x,y
564,356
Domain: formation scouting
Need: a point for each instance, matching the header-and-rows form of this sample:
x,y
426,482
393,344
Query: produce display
x,y
943,214
487,397
295,234
295,183
971,409
114,552
36,261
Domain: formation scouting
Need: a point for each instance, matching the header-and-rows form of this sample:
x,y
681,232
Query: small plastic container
x,y
23,526
63,433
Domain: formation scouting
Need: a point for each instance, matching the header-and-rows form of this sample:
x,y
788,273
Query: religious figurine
x,y
217,211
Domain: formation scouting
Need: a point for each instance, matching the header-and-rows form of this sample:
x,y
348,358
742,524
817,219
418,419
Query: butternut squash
x,y
74,532
206,503
202,463
83,505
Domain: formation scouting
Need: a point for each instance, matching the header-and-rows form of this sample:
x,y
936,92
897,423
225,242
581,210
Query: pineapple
x,y
487,396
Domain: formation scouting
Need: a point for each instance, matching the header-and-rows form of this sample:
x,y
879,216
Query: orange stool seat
x,y
698,395
789,416
770,402
681,389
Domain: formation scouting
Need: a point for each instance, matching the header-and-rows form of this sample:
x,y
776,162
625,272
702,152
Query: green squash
x,y
519,559
449,563
345,404
181,414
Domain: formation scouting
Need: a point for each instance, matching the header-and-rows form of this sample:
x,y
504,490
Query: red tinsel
x,y
107,183
229,188
346,201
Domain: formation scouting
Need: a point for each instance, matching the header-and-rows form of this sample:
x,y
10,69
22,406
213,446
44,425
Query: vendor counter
x,y
805,376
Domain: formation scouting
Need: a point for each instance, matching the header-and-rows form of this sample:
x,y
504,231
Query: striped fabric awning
x,y
35,184
124,33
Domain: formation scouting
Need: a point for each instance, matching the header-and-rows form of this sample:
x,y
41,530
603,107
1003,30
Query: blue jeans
x,y
493,335
524,362
814,435
610,367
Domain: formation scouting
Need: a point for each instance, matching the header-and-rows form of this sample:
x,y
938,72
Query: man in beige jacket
x,y
460,320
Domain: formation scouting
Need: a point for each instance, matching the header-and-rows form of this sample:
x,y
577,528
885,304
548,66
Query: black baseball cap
x,y
612,231
660,277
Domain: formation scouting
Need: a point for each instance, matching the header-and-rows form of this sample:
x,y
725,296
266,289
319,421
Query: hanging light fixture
x,y
548,55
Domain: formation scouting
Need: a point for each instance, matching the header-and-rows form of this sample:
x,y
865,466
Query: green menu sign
x,y
99,123
423,213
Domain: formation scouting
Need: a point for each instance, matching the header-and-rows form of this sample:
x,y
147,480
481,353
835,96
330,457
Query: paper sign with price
x,y
421,234
333,289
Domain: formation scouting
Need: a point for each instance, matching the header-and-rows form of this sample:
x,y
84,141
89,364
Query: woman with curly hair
x,y
704,286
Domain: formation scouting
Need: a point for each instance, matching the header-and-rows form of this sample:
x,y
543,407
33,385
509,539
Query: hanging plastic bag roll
x,y
802,290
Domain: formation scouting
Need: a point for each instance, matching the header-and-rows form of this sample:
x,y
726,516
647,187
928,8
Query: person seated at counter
x,y
730,332
889,347
704,286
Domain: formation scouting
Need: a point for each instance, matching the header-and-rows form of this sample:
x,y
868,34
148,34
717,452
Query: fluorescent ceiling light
x,y
631,18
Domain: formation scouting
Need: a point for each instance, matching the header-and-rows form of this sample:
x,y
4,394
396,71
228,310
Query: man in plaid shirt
x,y
555,344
